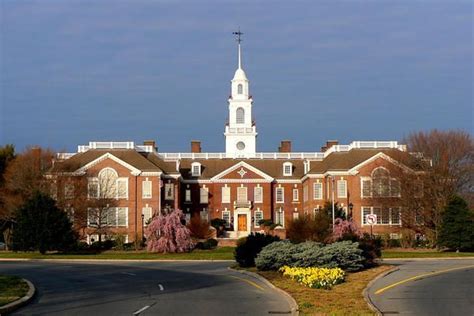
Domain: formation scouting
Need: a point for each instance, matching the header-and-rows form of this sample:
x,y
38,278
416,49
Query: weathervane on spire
x,y
238,33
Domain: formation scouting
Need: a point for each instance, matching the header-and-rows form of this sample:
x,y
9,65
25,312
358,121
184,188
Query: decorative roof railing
x,y
261,155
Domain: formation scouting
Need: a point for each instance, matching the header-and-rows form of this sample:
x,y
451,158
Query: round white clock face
x,y
240,145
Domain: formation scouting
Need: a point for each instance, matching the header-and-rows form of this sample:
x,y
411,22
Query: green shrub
x,y
457,228
345,255
206,245
249,247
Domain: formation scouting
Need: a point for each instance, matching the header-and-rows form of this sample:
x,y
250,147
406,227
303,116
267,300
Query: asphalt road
x,y
144,288
427,287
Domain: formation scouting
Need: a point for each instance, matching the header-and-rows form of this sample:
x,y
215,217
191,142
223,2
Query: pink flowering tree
x,y
345,230
166,233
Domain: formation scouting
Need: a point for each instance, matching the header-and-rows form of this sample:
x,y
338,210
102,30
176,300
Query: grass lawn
x,y
386,254
11,289
343,299
221,253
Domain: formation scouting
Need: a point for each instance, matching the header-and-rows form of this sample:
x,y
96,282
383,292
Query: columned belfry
x,y
240,131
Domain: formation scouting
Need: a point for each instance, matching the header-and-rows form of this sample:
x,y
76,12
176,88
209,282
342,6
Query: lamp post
x,y
351,206
143,228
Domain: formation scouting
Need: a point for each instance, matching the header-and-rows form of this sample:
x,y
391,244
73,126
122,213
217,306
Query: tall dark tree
x,y
457,228
42,226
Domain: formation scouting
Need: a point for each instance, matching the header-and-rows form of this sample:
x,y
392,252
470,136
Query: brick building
x,y
241,186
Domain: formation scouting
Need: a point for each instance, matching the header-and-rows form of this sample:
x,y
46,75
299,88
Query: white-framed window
x,y
204,215
366,187
69,190
93,188
242,194
307,166
385,216
395,189
226,217
147,214
240,116
280,195
240,89
380,182
169,191
146,189
280,217
296,215
317,191
204,195
258,194
225,194
287,169
341,188
122,188
70,213
258,216
296,195
122,216
187,195
196,169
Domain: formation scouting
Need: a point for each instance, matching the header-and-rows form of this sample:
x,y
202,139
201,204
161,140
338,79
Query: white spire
x,y
239,73
240,58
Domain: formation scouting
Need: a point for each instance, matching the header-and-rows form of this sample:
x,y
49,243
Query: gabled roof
x,y
131,159
242,165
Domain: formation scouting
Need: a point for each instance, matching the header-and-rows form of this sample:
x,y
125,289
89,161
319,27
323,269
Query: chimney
x,y
151,143
329,144
285,146
195,146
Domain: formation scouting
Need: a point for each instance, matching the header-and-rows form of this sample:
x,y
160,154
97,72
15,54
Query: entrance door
x,y
242,222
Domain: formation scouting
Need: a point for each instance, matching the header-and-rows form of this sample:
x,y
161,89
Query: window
x,y
287,169
385,216
305,193
240,89
366,184
146,189
341,188
258,217
306,165
242,194
122,188
240,116
196,169
280,217
295,195
108,183
296,215
258,194
204,215
395,188
169,191
381,182
204,195
69,191
70,213
317,191
147,214
225,194
279,195
226,218
187,195
93,188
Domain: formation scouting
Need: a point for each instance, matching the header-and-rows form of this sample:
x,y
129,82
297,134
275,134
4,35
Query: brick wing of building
x,y
241,186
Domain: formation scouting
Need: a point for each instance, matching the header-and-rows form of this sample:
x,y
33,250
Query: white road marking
x,y
161,287
141,310
128,273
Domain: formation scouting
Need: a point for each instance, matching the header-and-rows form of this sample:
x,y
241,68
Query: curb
x,y
110,260
293,305
427,259
19,302
365,292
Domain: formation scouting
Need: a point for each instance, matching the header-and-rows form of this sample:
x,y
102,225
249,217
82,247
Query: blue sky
x,y
77,71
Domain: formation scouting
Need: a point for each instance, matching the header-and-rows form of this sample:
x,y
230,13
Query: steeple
x,y
241,131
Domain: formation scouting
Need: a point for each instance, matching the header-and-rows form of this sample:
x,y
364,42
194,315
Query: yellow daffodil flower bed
x,y
315,278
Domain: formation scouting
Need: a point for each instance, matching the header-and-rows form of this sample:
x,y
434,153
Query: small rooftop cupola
x,y
240,131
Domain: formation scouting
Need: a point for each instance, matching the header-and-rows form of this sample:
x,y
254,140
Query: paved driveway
x,y
426,287
145,288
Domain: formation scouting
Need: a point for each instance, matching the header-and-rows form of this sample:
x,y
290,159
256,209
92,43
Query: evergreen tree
x,y
457,228
41,225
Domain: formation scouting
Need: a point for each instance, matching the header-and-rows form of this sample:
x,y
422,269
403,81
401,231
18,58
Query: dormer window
x,y
196,169
240,89
287,169
307,166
